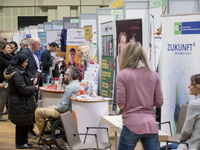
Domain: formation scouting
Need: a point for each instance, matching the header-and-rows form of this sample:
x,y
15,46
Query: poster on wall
x,y
107,59
75,37
53,36
179,60
43,38
127,31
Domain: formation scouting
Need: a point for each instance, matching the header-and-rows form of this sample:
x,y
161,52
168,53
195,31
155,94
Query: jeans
x,y
128,140
170,146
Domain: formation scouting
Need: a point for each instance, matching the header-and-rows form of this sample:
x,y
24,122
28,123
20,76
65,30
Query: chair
x,y
55,136
181,120
73,137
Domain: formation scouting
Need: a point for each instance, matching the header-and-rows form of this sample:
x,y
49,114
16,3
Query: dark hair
x,y
195,80
3,45
74,72
14,43
53,44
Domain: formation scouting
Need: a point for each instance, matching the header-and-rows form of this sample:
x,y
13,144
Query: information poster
x,y
43,37
107,59
179,60
127,31
75,37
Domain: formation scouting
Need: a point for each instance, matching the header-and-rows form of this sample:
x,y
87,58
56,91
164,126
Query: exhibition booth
x,y
168,35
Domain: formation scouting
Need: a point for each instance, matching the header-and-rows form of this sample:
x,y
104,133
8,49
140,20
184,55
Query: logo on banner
x,y
181,49
187,27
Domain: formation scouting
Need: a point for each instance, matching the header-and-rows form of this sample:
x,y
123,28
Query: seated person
x,y
190,132
71,79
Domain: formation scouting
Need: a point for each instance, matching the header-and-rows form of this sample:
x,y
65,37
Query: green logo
x,y
177,28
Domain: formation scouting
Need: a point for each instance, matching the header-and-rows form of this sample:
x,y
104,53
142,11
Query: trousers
x,y
41,114
128,140
3,99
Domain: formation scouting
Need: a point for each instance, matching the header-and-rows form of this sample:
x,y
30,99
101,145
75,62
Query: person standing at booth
x,y
32,67
21,102
84,49
5,57
47,60
138,91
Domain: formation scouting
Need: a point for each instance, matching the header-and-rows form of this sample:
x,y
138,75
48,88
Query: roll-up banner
x,y
179,60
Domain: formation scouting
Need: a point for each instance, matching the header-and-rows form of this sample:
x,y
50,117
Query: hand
x,y
54,106
2,85
35,81
36,86
58,61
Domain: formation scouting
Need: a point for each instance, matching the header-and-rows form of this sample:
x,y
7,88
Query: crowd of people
x,y
19,85
138,92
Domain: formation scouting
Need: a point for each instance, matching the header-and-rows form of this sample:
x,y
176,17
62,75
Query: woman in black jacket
x,y
21,102
5,57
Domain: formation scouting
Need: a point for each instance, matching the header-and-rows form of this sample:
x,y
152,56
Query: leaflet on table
x,y
89,98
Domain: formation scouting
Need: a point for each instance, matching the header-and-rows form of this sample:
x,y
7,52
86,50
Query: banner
x,y
76,37
179,60
127,30
107,59
43,37
88,32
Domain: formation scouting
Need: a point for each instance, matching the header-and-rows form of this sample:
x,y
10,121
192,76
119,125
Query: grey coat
x,y
191,129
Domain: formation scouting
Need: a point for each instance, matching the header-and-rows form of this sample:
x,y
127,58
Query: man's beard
x,y
66,81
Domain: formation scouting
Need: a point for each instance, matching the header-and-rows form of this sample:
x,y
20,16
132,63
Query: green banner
x,y
117,12
74,20
107,76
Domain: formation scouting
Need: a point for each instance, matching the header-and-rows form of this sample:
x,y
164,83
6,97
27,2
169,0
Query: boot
x,y
6,112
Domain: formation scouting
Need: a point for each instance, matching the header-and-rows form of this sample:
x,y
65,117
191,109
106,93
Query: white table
x,y
88,113
51,96
115,123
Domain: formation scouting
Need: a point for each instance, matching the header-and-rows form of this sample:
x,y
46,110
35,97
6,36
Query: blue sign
x,y
187,27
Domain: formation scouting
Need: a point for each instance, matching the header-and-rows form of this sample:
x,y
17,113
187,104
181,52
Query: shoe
x,y
24,146
2,119
6,112
30,144
32,135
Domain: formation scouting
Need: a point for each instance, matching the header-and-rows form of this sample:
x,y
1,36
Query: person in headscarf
x,y
21,102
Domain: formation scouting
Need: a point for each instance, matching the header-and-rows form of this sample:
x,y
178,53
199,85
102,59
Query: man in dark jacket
x,y
33,66
47,61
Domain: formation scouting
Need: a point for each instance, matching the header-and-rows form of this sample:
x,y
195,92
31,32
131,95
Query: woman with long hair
x,y
138,91
84,49
5,57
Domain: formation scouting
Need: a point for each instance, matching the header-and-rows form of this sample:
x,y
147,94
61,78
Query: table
x,y
88,113
115,123
51,96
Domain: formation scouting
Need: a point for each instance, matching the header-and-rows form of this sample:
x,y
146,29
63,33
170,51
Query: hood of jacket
x,y
11,70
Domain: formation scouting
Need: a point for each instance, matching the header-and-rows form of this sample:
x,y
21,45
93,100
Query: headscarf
x,y
18,59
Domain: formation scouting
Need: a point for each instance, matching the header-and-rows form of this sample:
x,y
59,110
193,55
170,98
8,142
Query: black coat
x,y
21,102
4,63
32,65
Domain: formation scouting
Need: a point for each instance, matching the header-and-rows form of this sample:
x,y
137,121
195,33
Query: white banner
x,y
179,60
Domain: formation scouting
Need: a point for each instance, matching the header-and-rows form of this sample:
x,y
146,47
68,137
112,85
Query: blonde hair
x,y
132,55
85,49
